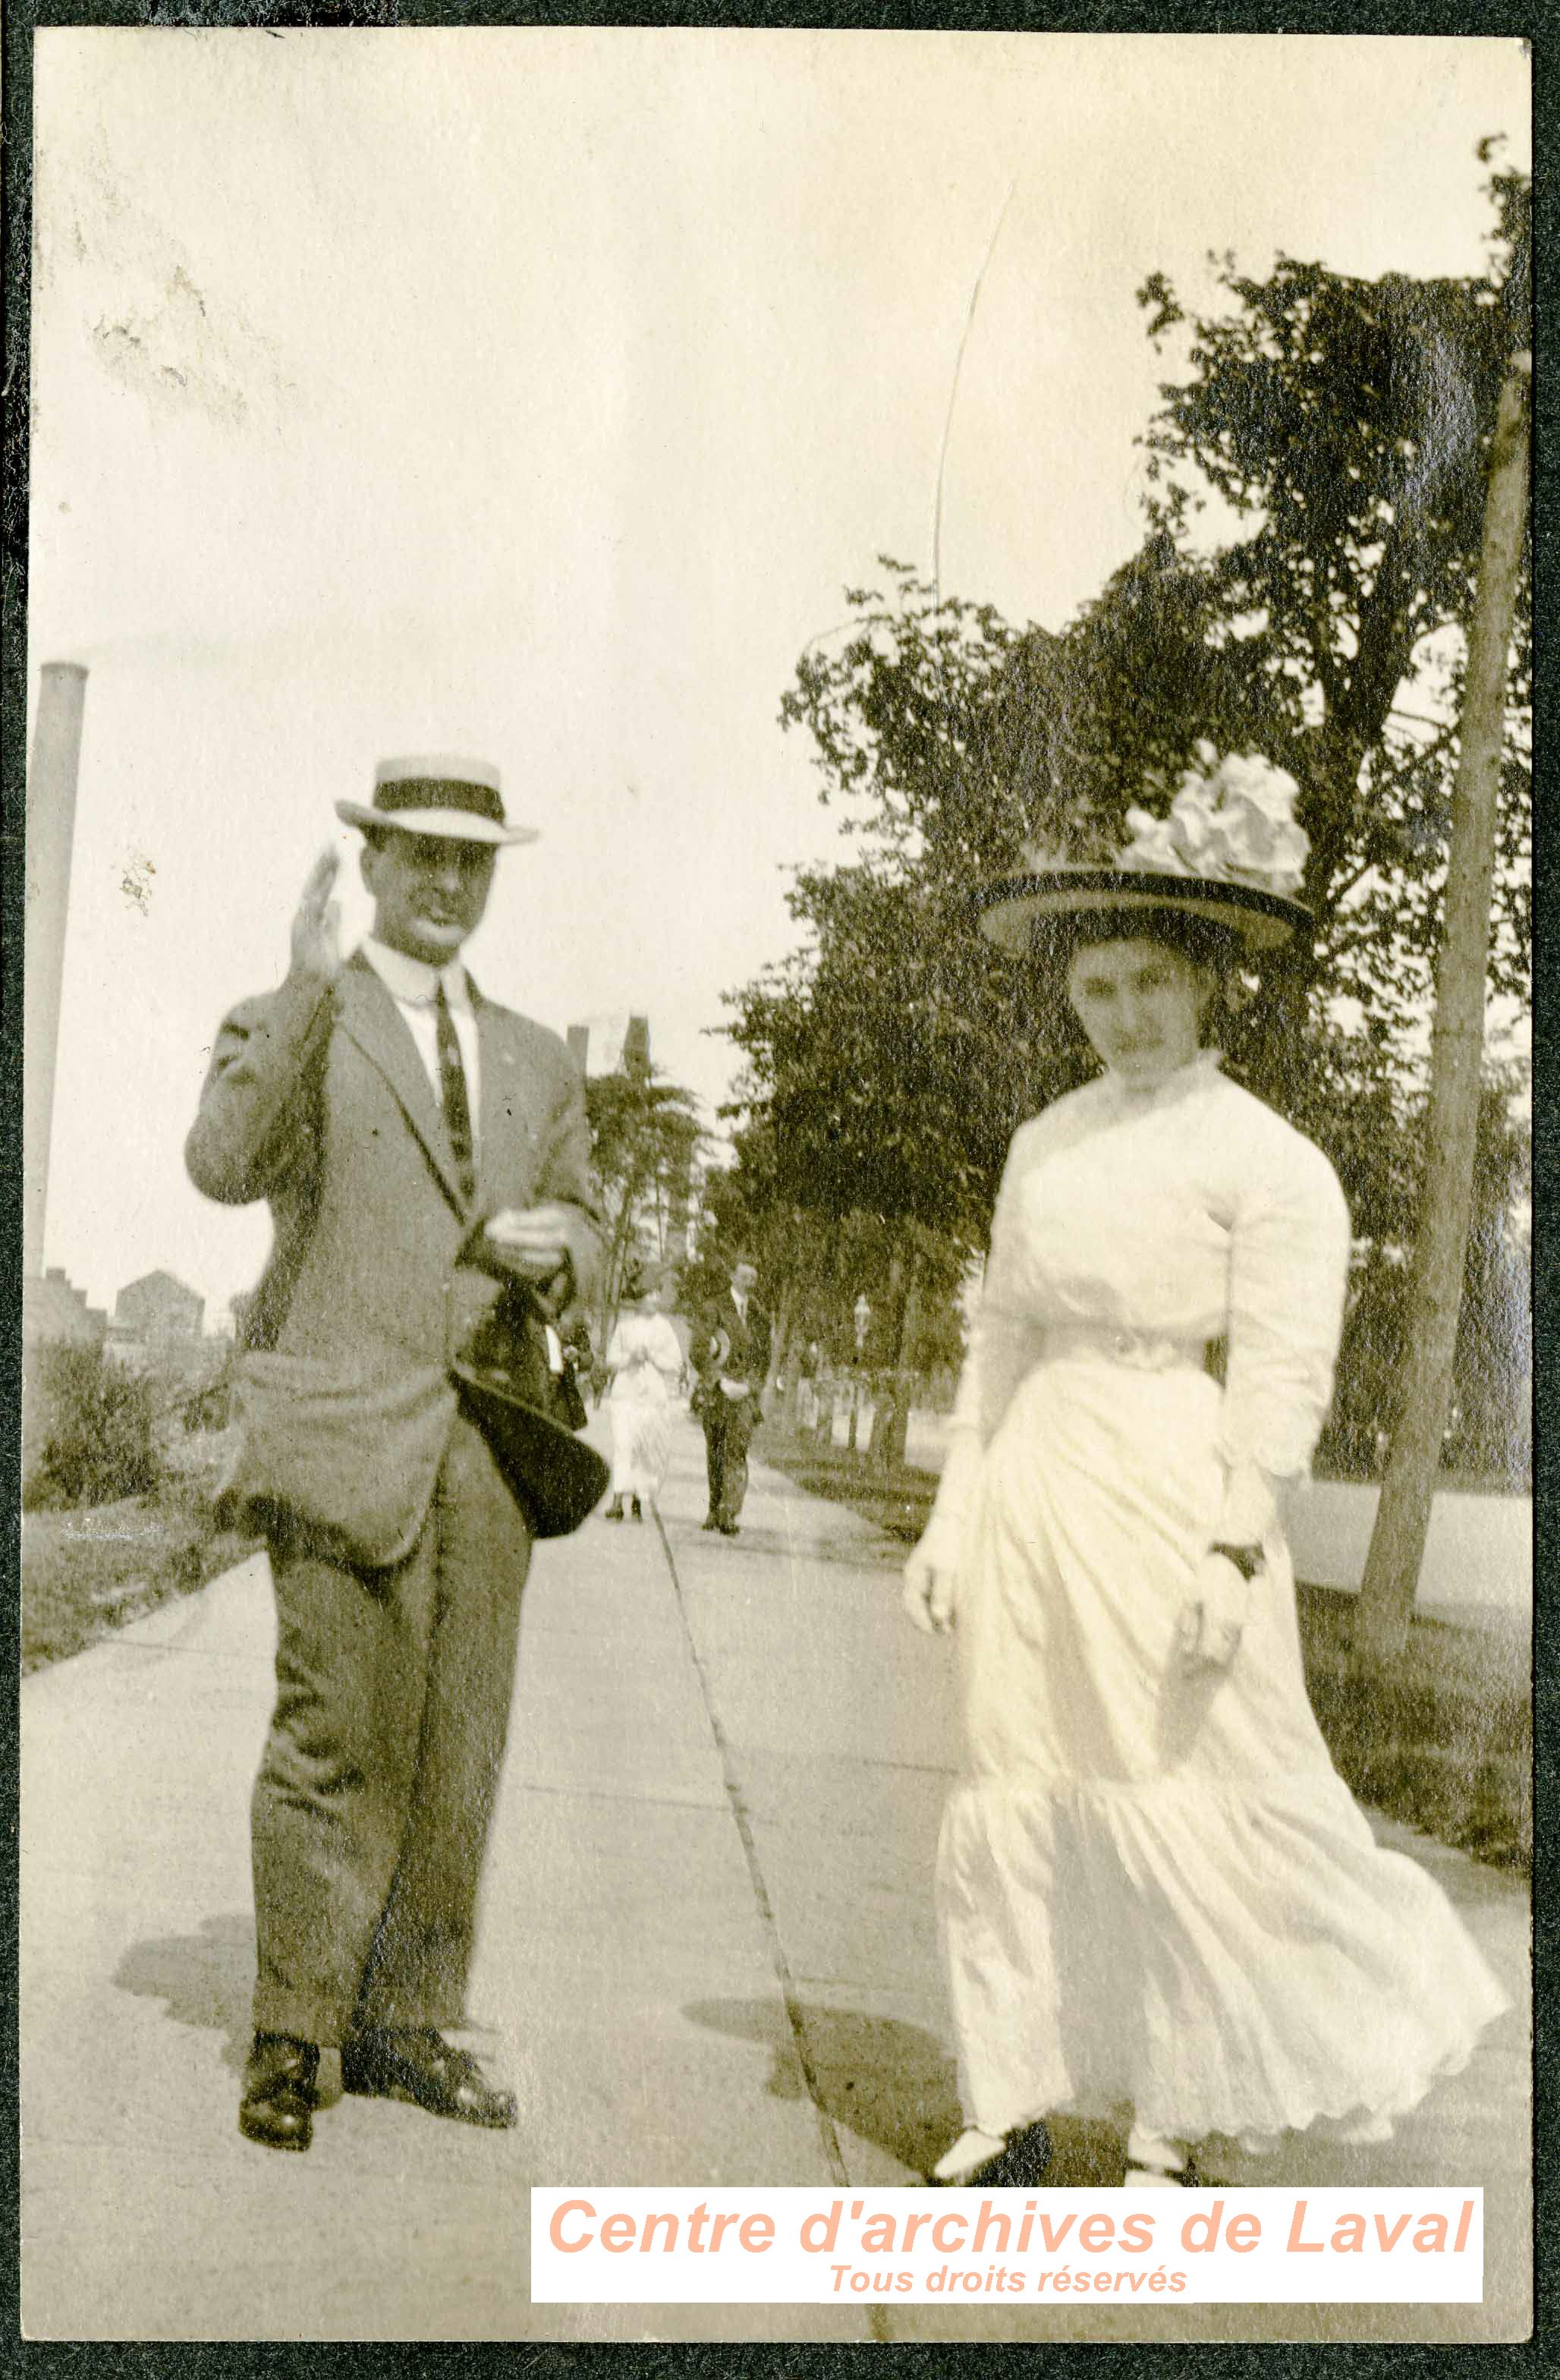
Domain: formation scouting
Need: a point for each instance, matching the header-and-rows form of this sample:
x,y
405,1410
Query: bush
x,y
209,1406
99,1432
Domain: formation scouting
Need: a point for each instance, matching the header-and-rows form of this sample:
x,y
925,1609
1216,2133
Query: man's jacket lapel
x,y
369,1015
506,1132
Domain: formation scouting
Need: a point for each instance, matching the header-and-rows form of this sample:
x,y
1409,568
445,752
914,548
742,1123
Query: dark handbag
x,y
570,1405
526,1410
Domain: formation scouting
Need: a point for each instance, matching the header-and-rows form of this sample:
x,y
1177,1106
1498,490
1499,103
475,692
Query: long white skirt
x,y
641,1425
1153,1887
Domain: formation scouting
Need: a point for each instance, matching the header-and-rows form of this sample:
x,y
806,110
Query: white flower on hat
x,y
1232,821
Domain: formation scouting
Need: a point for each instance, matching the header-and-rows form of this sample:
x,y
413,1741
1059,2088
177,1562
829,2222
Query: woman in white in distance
x,y
645,1359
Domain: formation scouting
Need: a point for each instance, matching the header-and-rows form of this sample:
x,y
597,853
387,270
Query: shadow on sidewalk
x,y
206,1980
893,2084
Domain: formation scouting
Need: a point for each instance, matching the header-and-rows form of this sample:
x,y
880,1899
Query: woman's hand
x,y
928,1593
1211,1622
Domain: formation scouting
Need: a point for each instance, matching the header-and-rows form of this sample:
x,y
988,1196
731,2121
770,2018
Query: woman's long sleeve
x,y
1288,1275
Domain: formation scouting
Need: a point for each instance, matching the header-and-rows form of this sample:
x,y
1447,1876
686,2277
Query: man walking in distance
x,y
381,1107
731,1360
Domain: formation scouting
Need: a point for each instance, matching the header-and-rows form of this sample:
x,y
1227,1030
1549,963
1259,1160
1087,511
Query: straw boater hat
x,y
1230,852
438,793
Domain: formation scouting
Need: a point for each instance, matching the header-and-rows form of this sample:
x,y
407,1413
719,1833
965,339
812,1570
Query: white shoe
x,y
1365,2132
1157,2162
969,2153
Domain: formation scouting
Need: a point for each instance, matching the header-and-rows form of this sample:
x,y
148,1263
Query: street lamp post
x,y
862,1315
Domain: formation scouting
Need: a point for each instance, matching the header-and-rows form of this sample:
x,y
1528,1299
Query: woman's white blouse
x,y
1185,1214
651,1338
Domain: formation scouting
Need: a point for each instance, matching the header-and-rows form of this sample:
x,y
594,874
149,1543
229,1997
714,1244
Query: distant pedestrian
x,y
579,1367
731,1358
1153,1888
643,1359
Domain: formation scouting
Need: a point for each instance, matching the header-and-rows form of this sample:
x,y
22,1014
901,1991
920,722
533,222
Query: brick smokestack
x,y
51,825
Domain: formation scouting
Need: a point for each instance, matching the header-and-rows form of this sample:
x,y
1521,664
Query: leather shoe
x,y
425,2071
728,1528
277,2108
709,1522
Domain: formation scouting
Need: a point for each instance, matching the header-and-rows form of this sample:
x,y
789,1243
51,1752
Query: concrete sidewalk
x,y
707,1956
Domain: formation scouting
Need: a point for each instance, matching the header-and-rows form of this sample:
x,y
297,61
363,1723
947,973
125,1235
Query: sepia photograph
x,y
776,1308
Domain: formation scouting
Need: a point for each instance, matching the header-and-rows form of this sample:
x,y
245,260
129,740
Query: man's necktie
x,y
452,1091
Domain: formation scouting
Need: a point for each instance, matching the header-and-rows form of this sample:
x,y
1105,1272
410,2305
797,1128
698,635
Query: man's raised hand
x,y
316,924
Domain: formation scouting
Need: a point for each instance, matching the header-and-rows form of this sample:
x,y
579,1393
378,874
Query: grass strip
x,y
1447,1746
87,1573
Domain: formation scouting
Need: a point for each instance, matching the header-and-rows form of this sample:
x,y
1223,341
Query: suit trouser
x,y
728,1424
377,1784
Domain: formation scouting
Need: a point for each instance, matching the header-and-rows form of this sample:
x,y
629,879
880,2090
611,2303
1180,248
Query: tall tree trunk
x,y
1392,1569
780,1351
893,1417
882,1395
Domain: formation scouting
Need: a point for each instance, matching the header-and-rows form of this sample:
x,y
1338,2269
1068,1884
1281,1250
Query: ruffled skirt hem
x,y
1221,1964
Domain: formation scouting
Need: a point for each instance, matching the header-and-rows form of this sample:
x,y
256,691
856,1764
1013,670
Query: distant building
x,y
157,1313
612,1045
56,1314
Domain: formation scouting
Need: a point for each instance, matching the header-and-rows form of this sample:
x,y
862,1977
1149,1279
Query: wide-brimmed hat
x,y
438,793
1229,853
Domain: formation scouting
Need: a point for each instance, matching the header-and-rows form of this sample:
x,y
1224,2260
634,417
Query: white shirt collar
x,y
412,980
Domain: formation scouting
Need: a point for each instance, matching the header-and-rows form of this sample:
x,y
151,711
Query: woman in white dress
x,y
1156,1895
644,1360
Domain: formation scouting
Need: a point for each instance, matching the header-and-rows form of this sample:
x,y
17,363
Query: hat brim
x,y
556,1475
452,826
1009,909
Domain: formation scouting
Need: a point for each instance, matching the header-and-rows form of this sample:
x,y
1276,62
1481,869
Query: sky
x,y
536,394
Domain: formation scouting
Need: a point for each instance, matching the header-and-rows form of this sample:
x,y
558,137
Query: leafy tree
x,y
935,722
1314,502
814,1263
1336,432
645,1135
1344,428
1456,1050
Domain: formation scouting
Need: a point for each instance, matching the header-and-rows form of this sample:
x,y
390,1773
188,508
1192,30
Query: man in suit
x,y
732,1359
382,1107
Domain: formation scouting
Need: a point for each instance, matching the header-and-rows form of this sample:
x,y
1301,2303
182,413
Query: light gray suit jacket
x,y
318,1101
